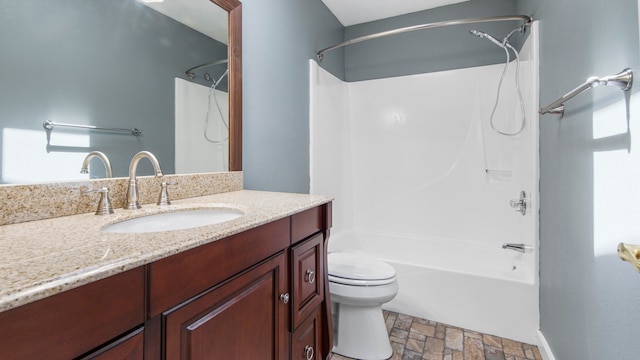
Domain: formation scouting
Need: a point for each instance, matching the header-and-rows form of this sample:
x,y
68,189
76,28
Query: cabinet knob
x,y
308,352
284,298
310,276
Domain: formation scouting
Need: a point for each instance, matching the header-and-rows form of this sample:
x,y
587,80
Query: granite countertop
x,y
45,257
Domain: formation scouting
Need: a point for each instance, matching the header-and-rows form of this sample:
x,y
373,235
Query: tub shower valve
x,y
520,205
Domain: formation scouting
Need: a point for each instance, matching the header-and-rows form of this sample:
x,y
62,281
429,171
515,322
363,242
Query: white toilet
x,y
359,286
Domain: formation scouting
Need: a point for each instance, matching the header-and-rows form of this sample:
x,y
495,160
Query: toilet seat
x,y
357,282
355,270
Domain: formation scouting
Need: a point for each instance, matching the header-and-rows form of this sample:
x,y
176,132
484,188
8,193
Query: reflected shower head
x,y
484,35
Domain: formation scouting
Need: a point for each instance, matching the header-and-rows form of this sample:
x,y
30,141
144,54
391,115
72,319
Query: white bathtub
x,y
489,290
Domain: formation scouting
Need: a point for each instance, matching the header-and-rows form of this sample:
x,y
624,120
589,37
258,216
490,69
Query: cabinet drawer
x,y
129,347
72,323
306,223
307,259
307,339
182,276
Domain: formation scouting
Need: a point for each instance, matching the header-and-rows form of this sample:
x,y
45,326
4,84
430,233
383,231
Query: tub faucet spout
x,y
132,192
515,247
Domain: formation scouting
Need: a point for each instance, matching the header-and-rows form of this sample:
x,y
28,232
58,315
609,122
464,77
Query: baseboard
x,y
544,348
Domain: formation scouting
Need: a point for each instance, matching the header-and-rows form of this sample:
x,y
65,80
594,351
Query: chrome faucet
x,y
104,205
520,205
132,192
515,247
100,155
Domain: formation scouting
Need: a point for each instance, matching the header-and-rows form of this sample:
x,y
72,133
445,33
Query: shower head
x,y
484,35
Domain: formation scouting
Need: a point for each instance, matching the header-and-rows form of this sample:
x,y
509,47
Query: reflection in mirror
x,y
112,64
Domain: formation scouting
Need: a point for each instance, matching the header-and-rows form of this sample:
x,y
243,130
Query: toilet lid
x,y
355,267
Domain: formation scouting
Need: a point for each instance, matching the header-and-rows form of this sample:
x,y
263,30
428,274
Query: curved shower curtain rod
x,y
190,73
527,21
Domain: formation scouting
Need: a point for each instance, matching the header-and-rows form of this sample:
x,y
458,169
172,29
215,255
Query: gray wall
x,y
99,62
279,36
429,50
589,306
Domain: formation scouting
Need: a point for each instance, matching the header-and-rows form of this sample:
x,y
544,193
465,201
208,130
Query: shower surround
x,y
421,181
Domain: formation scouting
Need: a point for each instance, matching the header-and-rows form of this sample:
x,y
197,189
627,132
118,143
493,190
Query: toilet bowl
x,y
359,286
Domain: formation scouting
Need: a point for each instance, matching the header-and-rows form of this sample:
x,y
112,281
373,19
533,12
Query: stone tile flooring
x,y
419,339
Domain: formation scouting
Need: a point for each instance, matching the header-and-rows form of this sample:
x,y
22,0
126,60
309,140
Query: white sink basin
x,y
177,220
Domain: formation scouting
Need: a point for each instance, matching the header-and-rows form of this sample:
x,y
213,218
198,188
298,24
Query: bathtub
x,y
489,290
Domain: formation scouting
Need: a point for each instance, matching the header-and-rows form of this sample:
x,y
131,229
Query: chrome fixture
x,y
515,247
484,35
630,253
623,80
190,73
284,298
49,125
163,199
104,204
100,155
308,352
132,192
520,205
526,19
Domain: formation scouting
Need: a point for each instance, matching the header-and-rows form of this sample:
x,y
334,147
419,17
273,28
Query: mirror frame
x,y
234,8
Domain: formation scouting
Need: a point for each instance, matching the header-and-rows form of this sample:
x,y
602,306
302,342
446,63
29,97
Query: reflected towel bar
x,y
623,80
527,21
49,125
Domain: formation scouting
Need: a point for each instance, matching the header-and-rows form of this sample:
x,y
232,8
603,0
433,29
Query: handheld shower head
x,y
506,46
484,35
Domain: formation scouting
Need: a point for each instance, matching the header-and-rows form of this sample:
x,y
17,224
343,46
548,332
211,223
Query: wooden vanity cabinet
x,y
72,323
259,294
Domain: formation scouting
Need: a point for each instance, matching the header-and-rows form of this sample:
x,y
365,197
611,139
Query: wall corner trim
x,y
544,348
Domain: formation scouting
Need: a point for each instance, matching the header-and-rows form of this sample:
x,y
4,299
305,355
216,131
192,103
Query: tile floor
x,y
419,339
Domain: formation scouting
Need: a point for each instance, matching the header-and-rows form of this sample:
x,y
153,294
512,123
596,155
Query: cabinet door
x,y
243,318
308,277
307,339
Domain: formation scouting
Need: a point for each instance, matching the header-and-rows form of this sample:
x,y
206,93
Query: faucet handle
x,y
104,204
520,205
163,199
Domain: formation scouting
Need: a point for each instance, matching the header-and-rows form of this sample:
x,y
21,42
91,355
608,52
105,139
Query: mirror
x,y
117,64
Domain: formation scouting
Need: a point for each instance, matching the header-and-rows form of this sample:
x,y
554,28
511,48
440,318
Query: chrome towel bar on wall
x,y
49,125
623,80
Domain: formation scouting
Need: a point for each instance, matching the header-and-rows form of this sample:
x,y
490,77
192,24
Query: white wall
x,y
331,171
194,153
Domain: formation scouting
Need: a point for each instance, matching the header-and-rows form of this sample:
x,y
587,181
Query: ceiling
x,y
202,16
212,21
352,12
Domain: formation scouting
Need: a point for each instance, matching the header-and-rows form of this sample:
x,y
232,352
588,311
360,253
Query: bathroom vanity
x,y
250,288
